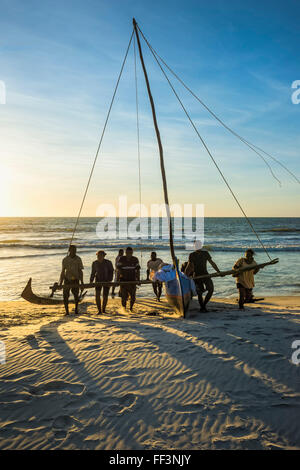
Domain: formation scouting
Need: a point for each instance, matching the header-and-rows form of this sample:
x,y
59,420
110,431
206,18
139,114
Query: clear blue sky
x,y
60,59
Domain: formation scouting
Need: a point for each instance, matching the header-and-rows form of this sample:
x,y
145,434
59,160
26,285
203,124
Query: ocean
x,y
34,247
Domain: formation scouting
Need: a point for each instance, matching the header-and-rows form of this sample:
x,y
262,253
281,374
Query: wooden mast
x,y
162,165
160,147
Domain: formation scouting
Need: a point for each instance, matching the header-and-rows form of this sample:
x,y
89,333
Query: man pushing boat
x,y
103,271
153,266
245,280
197,266
129,269
71,274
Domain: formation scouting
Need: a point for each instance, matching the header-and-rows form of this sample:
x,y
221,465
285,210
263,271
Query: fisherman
x,y
129,270
71,274
197,266
245,280
153,266
121,253
103,271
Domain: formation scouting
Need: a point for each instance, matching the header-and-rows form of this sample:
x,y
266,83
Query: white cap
x,y
198,244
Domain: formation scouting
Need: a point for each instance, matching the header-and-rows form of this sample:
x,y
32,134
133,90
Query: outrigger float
x,y
179,290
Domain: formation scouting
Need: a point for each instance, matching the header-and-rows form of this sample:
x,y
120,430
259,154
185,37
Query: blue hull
x,y
178,298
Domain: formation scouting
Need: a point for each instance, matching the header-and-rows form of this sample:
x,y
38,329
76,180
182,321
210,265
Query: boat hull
x,y
31,297
179,297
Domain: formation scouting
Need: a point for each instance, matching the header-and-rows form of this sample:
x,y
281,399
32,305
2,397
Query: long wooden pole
x,y
162,165
160,147
203,276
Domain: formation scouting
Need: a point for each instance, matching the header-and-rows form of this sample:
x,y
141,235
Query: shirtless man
x,y
197,266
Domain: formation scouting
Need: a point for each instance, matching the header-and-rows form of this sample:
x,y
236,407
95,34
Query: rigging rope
x,y
209,152
242,139
101,139
138,137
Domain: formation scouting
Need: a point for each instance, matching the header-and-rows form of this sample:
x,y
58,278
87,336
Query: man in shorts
x,y
153,266
71,274
197,266
245,280
129,269
103,271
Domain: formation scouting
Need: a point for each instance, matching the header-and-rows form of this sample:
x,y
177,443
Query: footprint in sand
x,y
119,406
239,431
60,435
16,387
32,341
128,400
65,422
58,387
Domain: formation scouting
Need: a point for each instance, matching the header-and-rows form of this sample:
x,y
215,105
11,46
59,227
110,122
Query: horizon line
x,y
160,217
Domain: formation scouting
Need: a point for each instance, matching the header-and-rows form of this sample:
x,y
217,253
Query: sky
x,y
59,63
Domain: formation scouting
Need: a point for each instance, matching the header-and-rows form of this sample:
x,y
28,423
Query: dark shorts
x,y
67,288
105,290
245,293
128,290
204,284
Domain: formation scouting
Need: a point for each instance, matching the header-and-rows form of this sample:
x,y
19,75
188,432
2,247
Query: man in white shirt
x,y
71,274
153,266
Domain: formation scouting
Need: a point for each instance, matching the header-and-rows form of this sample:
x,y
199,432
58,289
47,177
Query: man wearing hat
x,y
103,271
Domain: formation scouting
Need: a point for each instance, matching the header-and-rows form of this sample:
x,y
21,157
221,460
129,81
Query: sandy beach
x,y
222,380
